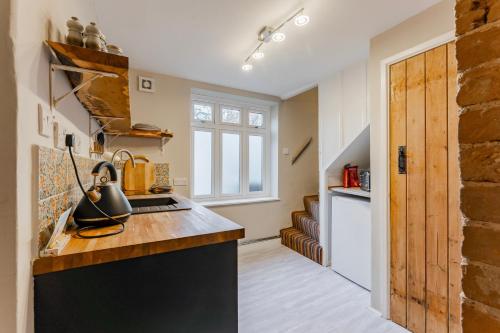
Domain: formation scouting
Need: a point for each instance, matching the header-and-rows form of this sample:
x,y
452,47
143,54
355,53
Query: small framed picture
x,y
147,84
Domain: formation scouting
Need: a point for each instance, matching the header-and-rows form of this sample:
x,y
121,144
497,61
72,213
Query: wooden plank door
x,y
425,223
415,90
436,152
455,223
398,194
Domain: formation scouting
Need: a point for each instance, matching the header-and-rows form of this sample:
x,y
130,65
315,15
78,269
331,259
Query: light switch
x,y
286,151
180,181
44,121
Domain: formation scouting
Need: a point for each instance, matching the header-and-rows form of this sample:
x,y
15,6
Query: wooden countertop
x,y
144,235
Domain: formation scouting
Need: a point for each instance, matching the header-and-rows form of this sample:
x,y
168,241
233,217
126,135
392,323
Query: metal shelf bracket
x,y
95,75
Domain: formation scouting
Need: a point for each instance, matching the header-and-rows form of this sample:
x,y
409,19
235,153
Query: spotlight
x,y
279,37
247,67
301,20
258,55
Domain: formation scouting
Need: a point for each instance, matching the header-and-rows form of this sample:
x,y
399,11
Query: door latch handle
x,y
402,160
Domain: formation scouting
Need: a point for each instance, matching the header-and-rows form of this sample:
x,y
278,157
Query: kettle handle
x,y
112,171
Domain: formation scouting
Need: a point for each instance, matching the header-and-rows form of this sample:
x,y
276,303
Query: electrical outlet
x,y
78,144
44,121
180,181
60,136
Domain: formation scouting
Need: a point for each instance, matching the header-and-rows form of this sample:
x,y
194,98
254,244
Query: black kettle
x,y
104,204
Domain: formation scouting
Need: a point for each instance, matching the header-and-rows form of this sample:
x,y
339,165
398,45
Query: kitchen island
x,y
167,272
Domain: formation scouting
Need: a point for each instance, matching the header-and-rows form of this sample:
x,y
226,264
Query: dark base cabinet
x,y
188,291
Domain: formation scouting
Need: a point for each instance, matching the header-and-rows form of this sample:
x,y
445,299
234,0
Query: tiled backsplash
x,y
58,189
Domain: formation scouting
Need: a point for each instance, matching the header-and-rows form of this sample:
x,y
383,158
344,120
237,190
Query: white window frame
x,y
223,195
231,107
201,122
244,130
214,162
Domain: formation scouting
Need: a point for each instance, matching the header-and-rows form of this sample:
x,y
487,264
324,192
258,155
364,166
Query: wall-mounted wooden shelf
x,y
102,96
164,137
100,82
148,134
143,134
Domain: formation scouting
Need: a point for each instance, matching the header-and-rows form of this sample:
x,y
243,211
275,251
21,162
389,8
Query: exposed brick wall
x,y
478,55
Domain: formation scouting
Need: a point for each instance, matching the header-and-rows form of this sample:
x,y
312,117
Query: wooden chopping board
x,y
140,178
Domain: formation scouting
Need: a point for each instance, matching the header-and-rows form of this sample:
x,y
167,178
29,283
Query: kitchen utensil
x,y
75,32
97,148
101,138
140,178
104,203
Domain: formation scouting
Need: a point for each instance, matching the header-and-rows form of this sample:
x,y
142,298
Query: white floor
x,y
281,291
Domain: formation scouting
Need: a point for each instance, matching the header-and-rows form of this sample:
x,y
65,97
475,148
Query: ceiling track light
x,y
258,54
268,34
247,67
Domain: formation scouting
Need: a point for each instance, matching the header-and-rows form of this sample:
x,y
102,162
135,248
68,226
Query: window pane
x,y
202,112
255,163
230,115
255,119
230,163
202,163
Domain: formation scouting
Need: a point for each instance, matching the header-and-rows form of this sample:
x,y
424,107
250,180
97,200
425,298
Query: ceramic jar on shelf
x,y
93,37
75,32
114,49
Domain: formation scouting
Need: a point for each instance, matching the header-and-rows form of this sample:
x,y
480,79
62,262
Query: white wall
x,y
170,107
431,23
34,22
342,110
342,116
8,110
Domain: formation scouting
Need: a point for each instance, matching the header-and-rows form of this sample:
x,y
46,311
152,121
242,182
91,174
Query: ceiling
x,y
208,40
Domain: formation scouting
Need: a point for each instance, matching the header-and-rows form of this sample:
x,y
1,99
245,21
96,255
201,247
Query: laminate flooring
x,y
282,291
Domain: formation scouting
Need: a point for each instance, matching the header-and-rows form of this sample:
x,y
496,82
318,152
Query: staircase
x,y
303,236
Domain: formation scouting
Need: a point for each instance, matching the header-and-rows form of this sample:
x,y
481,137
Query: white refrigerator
x,y
351,239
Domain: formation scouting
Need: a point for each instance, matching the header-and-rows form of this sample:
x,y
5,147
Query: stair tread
x,y
311,204
303,236
304,222
302,243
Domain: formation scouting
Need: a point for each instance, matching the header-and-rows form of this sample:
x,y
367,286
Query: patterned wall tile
x,y
49,211
84,166
53,170
58,187
162,174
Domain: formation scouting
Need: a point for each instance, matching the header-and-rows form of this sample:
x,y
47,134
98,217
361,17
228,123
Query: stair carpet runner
x,y
303,236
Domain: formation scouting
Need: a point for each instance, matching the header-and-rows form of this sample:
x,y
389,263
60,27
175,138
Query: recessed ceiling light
x,y
301,20
279,37
247,67
258,55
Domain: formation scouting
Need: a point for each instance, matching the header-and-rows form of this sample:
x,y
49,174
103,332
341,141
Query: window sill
x,y
222,203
